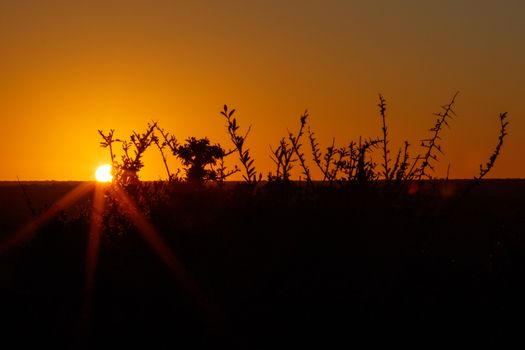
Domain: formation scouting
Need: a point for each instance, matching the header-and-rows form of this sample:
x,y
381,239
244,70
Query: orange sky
x,y
68,68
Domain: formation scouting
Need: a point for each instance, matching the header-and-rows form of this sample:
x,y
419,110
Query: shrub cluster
x,y
344,165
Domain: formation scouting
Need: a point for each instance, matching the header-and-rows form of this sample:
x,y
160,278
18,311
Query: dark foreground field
x,y
273,270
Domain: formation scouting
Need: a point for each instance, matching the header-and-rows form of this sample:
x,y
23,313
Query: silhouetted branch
x,y
432,144
245,158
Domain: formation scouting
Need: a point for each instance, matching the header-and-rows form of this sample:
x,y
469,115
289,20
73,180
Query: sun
x,y
103,173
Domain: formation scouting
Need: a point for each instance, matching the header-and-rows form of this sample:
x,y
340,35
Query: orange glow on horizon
x,y
71,68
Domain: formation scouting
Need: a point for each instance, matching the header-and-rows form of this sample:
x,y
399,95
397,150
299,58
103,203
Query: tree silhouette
x,y
196,155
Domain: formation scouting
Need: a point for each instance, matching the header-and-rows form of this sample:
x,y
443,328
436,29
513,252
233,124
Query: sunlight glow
x,y
103,173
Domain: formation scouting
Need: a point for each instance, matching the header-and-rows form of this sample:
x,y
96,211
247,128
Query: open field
x,y
279,268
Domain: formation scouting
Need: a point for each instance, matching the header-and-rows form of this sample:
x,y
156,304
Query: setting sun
x,y
103,173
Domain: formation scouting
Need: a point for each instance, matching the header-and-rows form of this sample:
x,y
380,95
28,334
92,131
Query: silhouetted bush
x,y
339,165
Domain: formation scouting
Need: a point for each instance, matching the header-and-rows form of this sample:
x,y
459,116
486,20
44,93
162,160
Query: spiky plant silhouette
x,y
485,169
433,144
126,171
250,175
170,141
338,165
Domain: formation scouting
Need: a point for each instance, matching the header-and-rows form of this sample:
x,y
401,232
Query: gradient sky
x,y
68,68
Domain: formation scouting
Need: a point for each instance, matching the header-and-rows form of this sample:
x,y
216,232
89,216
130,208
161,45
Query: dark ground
x,y
279,269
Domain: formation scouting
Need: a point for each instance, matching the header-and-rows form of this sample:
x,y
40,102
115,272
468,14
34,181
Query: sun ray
x,y
152,237
159,246
95,229
26,232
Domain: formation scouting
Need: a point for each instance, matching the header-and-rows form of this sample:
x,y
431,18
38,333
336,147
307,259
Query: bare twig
x,y
432,144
